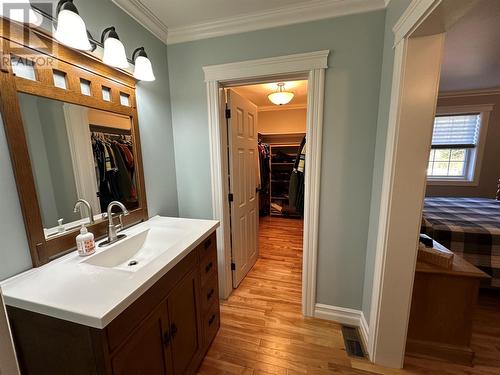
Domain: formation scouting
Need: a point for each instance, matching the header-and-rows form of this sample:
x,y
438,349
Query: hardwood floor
x,y
263,331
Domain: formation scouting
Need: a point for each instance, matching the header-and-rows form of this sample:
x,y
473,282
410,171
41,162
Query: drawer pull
x,y
208,244
210,294
173,330
209,267
166,338
211,321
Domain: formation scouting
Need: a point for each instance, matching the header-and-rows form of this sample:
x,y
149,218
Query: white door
x,y
243,170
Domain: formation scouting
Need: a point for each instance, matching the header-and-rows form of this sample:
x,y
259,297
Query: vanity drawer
x,y
208,267
211,322
208,247
210,293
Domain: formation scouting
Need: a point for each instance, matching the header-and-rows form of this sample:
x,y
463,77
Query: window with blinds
x,y
457,131
454,141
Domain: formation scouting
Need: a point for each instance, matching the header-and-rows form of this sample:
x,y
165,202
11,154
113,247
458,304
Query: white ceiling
x,y
472,50
258,94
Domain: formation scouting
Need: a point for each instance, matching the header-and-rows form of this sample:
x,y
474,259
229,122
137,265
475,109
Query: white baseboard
x,y
338,314
364,330
342,315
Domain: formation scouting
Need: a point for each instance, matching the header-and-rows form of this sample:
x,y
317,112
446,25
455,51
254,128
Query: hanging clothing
x,y
265,177
114,165
296,190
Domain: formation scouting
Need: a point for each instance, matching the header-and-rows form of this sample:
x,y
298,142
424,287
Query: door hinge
x,y
228,113
233,267
230,197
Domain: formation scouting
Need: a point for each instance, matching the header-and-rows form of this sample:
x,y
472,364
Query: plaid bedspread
x,y
469,227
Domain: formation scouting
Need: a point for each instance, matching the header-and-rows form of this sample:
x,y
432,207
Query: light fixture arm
x,y
66,4
94,43
139,52
112,34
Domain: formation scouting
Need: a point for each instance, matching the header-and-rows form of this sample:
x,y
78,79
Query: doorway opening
x,y
407,308
460,226
267,161
309,66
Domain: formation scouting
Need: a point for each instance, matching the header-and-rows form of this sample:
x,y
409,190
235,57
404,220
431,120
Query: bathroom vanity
x,y
100,315
146,304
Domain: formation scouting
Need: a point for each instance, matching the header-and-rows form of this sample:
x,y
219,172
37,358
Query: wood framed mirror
x,y
72,129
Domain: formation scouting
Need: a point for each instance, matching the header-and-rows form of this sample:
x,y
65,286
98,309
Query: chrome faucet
x,y
112,228
78,208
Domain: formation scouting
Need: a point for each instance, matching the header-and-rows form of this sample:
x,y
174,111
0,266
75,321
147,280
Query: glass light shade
x,y
18,14
281,97
114,53
71,30
143,69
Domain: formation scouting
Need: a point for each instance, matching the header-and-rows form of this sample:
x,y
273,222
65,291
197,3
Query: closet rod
x,y
108,130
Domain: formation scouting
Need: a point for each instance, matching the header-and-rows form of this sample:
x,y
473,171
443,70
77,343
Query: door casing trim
x,y
310,66
390,326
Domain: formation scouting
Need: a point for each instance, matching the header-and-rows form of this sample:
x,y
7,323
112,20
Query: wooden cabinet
x,y
146,352
442,309
167,330
185,332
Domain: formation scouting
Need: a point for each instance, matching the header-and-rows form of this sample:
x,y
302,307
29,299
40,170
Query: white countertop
x,y
72,290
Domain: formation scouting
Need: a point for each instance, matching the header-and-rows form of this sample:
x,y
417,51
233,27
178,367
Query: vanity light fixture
x,y
114,51
71,29
20,11
281,97
143,68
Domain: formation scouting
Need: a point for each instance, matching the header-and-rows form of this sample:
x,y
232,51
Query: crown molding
x,y
145,16
468,93
312,11
287,107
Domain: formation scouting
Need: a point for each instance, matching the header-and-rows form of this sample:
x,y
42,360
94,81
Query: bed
x,y
469,227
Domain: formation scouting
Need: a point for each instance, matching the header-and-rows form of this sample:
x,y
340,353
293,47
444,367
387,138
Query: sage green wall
x,y
39,159
153,104
393,13
350,121
58,153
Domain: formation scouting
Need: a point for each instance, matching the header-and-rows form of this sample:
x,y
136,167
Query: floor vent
x,y
352,342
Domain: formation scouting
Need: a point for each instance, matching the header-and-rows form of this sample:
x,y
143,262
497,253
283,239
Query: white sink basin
x,y
134,252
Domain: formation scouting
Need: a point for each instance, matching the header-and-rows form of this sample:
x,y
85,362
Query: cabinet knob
x,y
166,338
208,244
173,330
212,319
210,294
209,267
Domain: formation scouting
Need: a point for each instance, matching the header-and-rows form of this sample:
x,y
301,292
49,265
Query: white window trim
x,y
475,160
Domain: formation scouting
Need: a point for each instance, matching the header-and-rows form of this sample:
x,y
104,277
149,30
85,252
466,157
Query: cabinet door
x,y
183,315
147,350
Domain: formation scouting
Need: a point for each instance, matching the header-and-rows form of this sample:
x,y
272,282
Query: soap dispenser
x,y
60,226
85,242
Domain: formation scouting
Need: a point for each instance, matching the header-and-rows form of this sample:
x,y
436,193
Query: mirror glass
x,y
78,153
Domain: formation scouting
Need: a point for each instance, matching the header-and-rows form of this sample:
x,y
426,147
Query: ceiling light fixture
x,y
143,67
281,97
71,30
19,11
114,51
